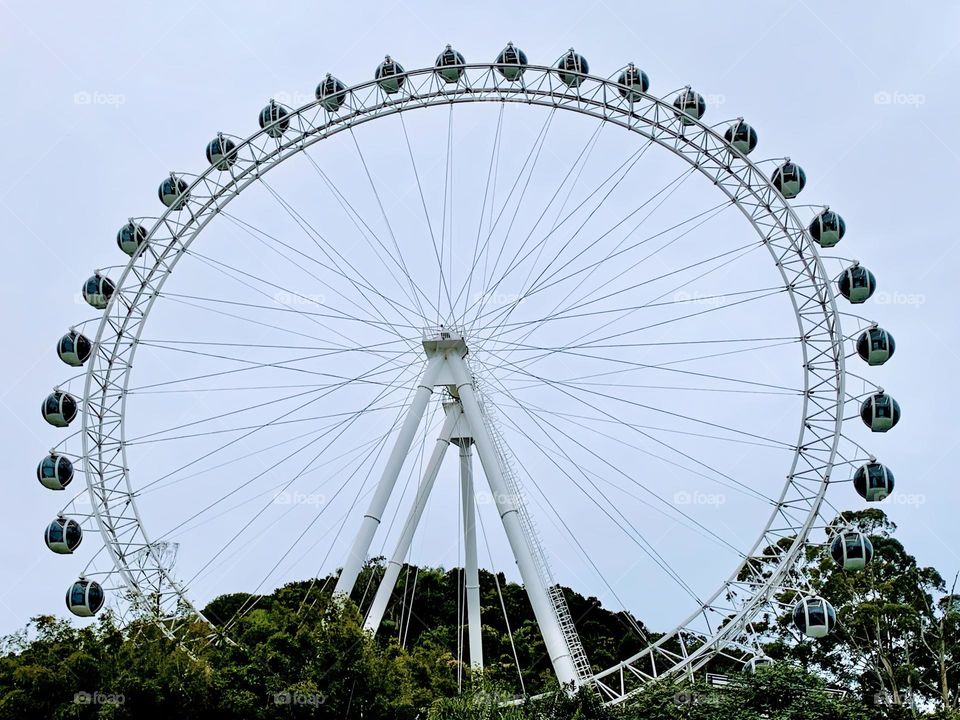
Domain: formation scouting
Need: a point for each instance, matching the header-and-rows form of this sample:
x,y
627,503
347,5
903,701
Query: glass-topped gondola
x,y
789,179
876,345
814,617
873,481
74,349
221,152
742,137
689,106
63,535
274,119
59,408
633,83
511,62
389,75
55,471
331,93
827,228
85,597
130,237
851,550
857,284
449,65
880,412
572,67
97,291
173,192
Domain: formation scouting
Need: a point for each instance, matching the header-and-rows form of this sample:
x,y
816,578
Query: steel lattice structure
x,y
725,622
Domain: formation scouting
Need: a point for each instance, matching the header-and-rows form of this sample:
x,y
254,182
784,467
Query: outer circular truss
x,y
723,624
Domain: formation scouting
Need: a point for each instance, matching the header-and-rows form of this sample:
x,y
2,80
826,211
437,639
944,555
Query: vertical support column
x,y
543,609
392,571
470,553
371,521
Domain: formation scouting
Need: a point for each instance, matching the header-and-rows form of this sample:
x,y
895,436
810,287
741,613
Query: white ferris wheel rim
x,y
107,375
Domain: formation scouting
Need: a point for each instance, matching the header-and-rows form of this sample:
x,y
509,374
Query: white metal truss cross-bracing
x,y
724,622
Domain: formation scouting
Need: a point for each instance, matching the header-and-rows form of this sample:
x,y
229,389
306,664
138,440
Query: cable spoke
x,y
416,292
352,275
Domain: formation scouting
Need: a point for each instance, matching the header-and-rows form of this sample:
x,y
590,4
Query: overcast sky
x,y
101,105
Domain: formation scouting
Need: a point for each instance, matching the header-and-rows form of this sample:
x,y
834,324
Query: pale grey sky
x,y
101,105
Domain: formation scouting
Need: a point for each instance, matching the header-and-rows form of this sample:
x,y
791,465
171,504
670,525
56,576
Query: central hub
x,y
444,340
443,346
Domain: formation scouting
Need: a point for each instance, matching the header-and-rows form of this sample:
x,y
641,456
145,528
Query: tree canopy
x,y
300,652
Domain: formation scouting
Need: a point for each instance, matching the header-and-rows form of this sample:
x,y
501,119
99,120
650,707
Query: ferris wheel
x,y
603,296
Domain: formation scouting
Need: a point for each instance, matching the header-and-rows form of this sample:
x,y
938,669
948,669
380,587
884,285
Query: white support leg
x,y
446,349
470,556
371,521
392,571
546,616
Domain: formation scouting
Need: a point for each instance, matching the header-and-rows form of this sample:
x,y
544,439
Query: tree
x,y
775,692
490,702
895,643
303,653
941,639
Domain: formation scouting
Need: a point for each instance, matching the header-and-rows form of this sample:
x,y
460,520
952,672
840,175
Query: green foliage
x,y
895,642
775,692
424,611
301,653
489,702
